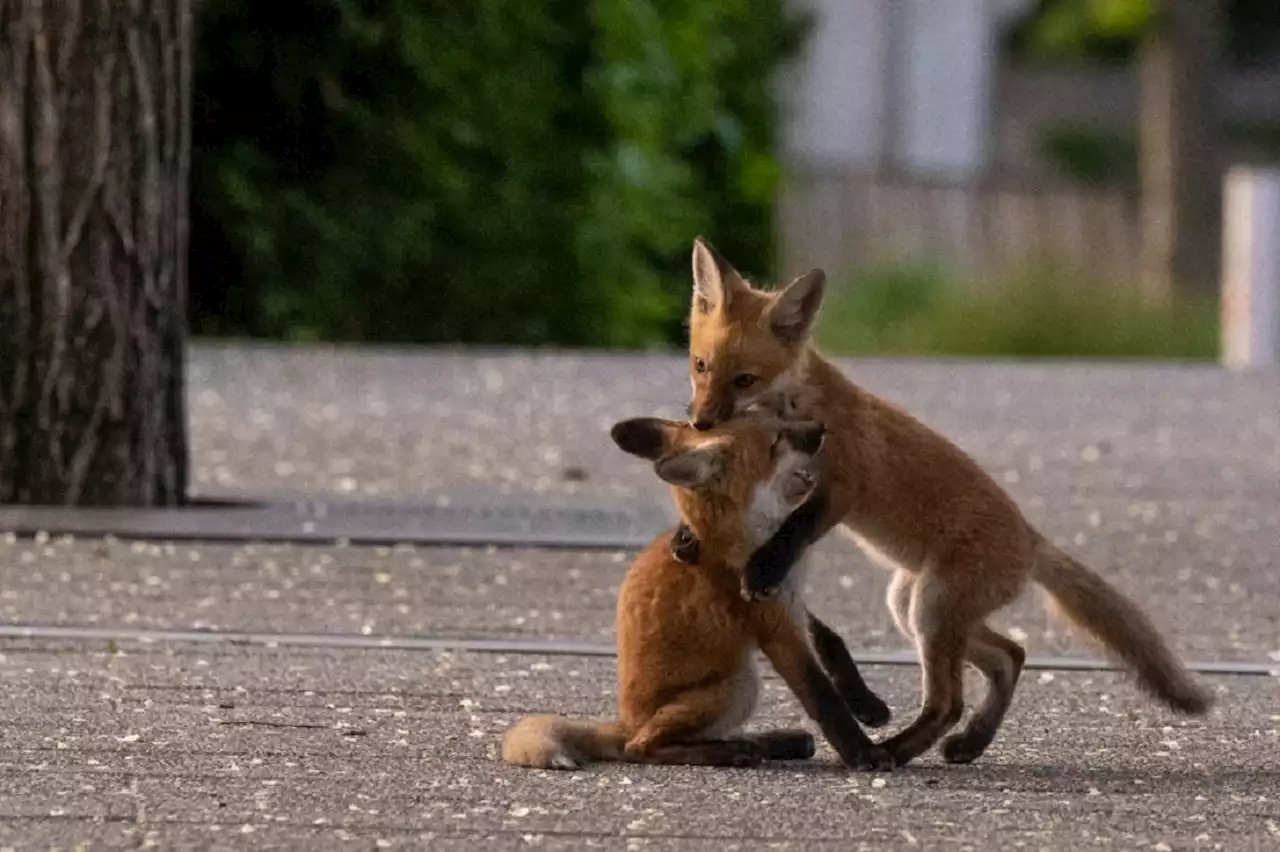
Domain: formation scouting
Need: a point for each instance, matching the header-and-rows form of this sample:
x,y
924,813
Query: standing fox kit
x,y
959,547
686,673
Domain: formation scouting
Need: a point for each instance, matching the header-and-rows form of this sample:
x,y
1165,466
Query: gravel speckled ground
x,y
199,745
1165,477
1226,614
419,425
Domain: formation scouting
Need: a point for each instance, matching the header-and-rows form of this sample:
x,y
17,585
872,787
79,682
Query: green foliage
x,y
1111,30
1118,18
486,171
874,310
1043,312
687,155
1092,156
1094,29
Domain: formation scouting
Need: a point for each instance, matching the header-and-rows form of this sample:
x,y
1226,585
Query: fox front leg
x,y
769,566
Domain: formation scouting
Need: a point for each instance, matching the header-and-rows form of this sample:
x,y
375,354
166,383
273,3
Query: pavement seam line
x,y
520,646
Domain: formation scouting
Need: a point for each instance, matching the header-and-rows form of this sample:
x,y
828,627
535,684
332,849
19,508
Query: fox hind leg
x,y
1000,660
940,627
678,733
898,601
786,744
740,750
734,751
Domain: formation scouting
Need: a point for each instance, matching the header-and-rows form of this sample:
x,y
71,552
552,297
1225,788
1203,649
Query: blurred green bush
x,y
1099,156
1043,311
487,171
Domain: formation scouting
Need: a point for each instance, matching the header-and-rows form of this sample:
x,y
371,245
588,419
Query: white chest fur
x,y
766,513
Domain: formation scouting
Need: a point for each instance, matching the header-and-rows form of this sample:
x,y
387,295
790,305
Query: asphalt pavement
x,y
130,728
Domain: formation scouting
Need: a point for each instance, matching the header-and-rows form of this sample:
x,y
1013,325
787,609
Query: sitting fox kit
x,y
687,681
915,503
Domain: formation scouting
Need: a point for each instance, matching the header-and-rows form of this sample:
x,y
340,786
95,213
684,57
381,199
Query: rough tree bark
x,y
1181,169
95,116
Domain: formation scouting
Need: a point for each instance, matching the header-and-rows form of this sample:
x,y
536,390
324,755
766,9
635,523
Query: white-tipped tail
x,y
554,742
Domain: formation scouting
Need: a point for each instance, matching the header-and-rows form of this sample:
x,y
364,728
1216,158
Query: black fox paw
x,y
959,748
684,545
748,754
753,593
871,711
876,759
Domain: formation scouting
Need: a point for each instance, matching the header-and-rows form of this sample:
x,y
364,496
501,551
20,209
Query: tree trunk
x,y
95,117
1181,171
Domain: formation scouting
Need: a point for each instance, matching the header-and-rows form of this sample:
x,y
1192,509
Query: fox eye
x,y
745,380
699,365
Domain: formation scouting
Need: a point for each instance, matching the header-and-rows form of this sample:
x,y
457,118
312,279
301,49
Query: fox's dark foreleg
x,y
868,708
769,566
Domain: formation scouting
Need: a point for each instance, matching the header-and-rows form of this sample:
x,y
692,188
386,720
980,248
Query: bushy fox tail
x,y
554,742
1115,621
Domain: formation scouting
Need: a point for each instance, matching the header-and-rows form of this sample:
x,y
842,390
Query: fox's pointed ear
x,y
645,437
690,468
715,281
791,316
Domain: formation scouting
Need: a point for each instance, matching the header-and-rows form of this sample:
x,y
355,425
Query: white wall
x,y
835,96
907,82
947,60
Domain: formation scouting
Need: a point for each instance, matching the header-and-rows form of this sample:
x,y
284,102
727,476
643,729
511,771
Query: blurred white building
x,y
908,137
895,151
901,84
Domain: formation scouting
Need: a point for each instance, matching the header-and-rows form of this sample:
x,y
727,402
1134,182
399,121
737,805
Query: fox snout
x,y
703,416
701,419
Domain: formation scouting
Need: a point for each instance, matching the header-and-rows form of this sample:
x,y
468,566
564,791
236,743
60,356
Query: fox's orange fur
x,y
686,675
959,546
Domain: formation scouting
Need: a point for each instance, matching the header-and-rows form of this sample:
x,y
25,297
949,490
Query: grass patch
x,y
1041,312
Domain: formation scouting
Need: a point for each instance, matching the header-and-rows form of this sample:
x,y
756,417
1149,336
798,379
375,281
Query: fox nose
x,y
702,420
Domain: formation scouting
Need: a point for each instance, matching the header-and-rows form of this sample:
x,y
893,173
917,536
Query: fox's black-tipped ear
x,y
645,437
791,316
690,469
715,281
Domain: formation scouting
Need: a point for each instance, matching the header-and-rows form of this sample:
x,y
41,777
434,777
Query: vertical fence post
x,y
1251,268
